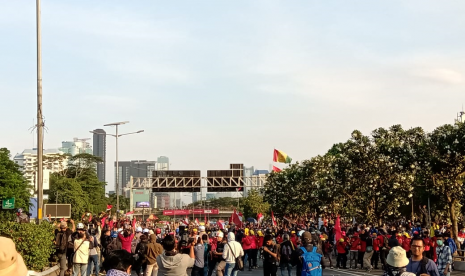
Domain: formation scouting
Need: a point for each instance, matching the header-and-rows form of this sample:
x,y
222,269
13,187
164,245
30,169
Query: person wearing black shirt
x,y
270,255
216,253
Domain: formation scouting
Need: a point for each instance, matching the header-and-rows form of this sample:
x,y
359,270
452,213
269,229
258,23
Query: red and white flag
x,y
259,218
236,219
109,207
197,221
276,169
185,221
129,213
220,224
273,219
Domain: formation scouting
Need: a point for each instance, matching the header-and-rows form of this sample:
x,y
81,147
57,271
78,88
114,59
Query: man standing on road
x,y
444,261
61,244
232,250
418,264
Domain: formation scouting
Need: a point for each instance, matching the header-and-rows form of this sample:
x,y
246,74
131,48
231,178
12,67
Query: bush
x,y
34,242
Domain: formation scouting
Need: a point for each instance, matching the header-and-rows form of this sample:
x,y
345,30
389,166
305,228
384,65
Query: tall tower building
x,y
100,150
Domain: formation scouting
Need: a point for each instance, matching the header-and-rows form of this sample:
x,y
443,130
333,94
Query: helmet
x,y
146,231
80,226
202,228
158,231
139,229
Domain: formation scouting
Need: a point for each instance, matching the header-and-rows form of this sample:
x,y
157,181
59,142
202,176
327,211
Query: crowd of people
x,y
117,247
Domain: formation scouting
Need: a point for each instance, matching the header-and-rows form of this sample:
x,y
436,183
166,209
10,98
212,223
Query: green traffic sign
x,y
8,203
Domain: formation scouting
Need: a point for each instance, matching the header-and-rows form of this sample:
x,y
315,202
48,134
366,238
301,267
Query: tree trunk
x,y
453,219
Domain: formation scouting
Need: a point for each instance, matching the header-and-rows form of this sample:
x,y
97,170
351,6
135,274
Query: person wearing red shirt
x,y
341,259
353,253
427,240
406,245
376,248
294,238
247,246
127,237
399,238
279,239
362,249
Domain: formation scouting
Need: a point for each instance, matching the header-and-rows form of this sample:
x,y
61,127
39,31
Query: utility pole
x,y
40,123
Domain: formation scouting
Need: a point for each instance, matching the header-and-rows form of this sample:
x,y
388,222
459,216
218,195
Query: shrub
x,y
34,242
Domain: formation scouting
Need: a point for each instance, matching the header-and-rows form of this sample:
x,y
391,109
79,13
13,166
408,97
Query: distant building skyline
x,y
134,168
77,146
99,149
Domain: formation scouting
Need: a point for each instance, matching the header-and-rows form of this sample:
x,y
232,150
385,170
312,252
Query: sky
x,y
219,82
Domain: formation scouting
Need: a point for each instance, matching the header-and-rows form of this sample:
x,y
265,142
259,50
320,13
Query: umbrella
x,y
252,220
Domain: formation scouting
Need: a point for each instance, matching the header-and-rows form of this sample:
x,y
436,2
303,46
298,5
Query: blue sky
x,y
217,82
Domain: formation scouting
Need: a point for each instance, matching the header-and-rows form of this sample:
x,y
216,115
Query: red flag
x,y
238,189
197,221
276,169
273,219
235,218
129,213
205,220
109,207
220,225
90,217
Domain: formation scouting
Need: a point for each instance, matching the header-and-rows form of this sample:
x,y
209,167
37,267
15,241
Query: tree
x,y
254,204
12,184
124,203
445,165
69,191
81,171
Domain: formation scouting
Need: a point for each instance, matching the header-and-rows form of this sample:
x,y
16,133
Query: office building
x,y
77,146
99,149
163,163
134,168
54,161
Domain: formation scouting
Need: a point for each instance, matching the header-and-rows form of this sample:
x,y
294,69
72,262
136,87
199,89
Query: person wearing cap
x,y
216,253
61,240
396,263
11,262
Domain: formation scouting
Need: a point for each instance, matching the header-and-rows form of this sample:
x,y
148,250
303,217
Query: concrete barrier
x,y
53,271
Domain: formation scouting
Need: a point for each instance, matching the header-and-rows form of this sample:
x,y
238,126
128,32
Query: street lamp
x,y
117,165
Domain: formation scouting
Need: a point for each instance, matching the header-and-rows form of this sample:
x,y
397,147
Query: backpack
x,y
311,263
451,243
61,243
286,253
369,248
113,245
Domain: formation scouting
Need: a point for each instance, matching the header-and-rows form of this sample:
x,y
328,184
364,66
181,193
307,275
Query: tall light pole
x,y
40,123
117,135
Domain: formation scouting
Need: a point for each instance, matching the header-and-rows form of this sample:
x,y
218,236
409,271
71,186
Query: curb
x,y
46,272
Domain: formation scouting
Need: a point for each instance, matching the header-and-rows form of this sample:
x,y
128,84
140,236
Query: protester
x,y
232,250
61,245
154,249
118,263
419,264
285,255
172,263
199,252
444,254
396,263
11,262
81,254
270,254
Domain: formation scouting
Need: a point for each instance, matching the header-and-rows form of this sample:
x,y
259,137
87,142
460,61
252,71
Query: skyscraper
x,y
134,168
100,150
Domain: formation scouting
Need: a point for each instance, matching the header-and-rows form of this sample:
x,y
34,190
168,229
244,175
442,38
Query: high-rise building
x,y
163,163
54,161
77,146
134,168
99,149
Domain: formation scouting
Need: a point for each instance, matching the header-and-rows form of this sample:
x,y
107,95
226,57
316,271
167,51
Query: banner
x,y
187,212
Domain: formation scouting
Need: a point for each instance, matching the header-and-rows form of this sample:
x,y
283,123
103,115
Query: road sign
x,y
8,203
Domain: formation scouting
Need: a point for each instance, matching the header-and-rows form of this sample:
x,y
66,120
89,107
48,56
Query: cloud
x,y
442,75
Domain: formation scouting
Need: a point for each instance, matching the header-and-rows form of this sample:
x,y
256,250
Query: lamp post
x,y
117,135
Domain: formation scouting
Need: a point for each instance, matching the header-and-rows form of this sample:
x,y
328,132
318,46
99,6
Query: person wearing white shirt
x,y
232,250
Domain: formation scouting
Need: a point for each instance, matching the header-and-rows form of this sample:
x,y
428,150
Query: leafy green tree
x,y
69,191
445,164
123,203
12,184
254,204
